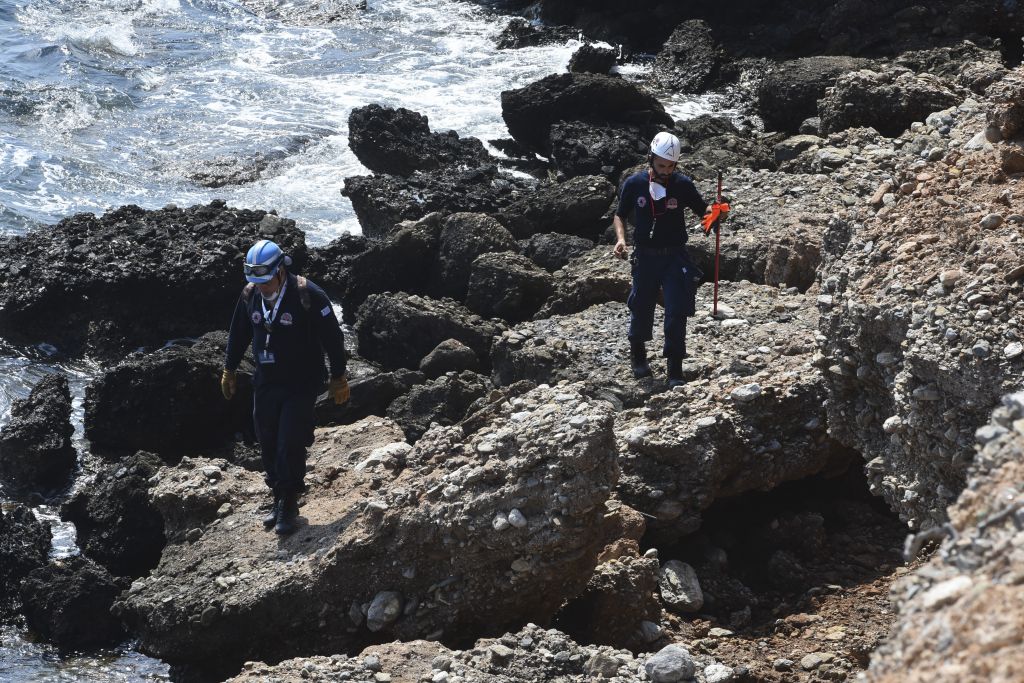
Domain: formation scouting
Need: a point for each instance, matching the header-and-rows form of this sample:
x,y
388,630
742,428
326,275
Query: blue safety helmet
x,y
262,261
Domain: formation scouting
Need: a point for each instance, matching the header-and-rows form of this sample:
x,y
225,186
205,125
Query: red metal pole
x,y
718,245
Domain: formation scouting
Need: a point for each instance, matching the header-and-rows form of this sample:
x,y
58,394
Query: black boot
x,y
675,371
270,519
287,512
638,359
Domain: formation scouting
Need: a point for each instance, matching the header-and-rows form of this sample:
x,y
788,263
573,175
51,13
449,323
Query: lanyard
x,y
270,315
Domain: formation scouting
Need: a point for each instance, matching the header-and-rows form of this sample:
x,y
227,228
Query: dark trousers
x,y
284,421
672,271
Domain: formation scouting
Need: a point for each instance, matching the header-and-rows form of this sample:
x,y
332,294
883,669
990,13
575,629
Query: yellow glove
x,y
339,391
228,384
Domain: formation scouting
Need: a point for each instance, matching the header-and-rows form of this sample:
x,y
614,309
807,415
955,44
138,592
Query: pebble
x,y
384,610
1013,350
601,665
500,522
926,393
946,592
782,664
517,519
992,221
680,588
892,424
983,315
706,421
717,673
670,664
949,278
811,661
746,393
982,349
719,632
987,433
649,631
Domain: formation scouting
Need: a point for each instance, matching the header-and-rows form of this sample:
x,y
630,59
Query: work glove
x,y
714,216
339,391
228,383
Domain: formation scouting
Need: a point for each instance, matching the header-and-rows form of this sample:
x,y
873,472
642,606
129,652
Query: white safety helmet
x,y
666,146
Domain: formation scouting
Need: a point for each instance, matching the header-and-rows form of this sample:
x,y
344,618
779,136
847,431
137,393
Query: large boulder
x,y
115,523
553,250
529,112
691,59
789,93
578,206
969,591
36,453
371,393
443,401
508,286
920,331
888,101
398,330
399,141
24,547
465,531
465,236
383,201
104,286
519,33
68,601
168,402
587,148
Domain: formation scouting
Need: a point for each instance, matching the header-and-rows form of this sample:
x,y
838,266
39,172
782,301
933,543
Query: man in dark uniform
x,y
290,324
655,199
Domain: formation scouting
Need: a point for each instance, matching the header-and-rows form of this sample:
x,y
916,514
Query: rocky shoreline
x,y
500,501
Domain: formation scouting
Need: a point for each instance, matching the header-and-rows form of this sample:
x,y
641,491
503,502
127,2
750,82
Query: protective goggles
x,y
260,269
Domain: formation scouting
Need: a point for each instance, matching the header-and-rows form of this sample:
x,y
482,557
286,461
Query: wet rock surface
x,y
690,60
434,506
789,93
594,277
583,148
36,453
592,59
464,237
578,206
24,547
552,250
443,401
507,286
115,523
99,286
68,602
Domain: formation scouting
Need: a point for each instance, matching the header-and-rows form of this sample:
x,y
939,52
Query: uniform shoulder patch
x,y
325,311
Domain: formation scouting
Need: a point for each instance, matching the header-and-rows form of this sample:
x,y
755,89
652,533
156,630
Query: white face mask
x,y
271,297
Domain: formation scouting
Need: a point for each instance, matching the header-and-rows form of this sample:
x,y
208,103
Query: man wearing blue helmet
x,y
290,323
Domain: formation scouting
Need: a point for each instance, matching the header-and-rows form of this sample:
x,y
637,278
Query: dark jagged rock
x,y
383,201
530,111
168,402
966,64
371,395
68,603
692,132
520,33
24,546
450,355
508,286
887,101
402,262
577,206
444,400
36,454
328,266
584,148
464,237
115,522
399,141
552,250
789,93
726,151
691,59
592,278
398,330
103,286
592,59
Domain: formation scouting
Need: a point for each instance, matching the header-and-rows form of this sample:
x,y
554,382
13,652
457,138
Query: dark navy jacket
x,y
659,223
298,338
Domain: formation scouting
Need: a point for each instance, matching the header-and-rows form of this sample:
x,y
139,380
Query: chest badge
x,y
286,318
641,202
257,318
672,203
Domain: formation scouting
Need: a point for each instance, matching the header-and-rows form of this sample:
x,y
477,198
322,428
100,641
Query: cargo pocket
x,y
691,281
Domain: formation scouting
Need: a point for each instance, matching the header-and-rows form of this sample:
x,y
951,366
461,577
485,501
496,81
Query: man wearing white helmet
x,y
655,199
290,323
